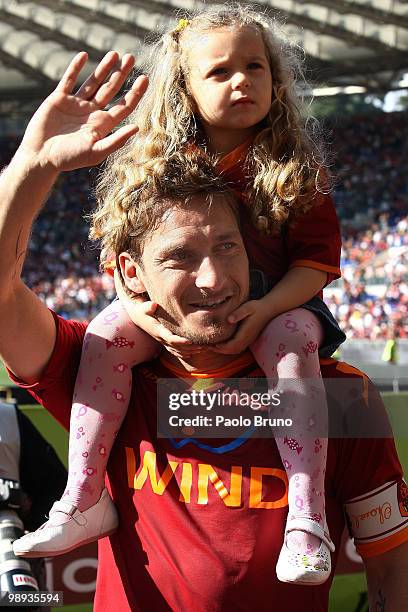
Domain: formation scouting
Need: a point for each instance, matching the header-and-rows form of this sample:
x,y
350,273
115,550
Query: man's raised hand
x,y
72,130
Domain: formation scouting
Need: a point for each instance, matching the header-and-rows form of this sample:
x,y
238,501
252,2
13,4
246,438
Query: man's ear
x,y
131,273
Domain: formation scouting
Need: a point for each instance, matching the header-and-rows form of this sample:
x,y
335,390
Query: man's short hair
x,y
182,179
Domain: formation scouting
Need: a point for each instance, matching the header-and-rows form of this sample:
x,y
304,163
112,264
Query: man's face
x,y
194,265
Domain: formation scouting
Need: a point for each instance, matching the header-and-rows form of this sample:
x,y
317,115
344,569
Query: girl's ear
x,y
131,273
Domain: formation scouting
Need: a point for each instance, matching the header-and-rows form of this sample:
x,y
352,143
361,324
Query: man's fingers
x,y
113,142
70,76
101,72
108,90
129,101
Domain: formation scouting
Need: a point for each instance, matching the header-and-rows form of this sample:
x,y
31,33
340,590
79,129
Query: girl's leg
x,y
113,344
288,349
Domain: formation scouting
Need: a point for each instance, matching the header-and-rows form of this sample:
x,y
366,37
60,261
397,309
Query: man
x,y
201,525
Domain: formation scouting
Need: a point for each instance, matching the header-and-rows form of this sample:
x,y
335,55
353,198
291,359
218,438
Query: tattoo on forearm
x,y
380,603
19,256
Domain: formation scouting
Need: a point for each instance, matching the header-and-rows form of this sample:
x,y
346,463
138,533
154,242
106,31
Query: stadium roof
x,y
361,43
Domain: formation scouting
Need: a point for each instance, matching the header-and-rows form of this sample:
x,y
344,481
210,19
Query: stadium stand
x,y
371,193
347,43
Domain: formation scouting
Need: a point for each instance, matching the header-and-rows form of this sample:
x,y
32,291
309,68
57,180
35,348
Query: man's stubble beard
x,y
217,330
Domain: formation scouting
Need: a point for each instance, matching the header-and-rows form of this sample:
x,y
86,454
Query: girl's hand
x,y
71,130
142,312
253,319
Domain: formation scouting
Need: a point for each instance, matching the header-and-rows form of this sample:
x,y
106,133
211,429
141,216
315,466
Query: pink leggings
x,y
113,344
286,349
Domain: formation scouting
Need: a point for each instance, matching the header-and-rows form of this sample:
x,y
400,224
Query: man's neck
x,y
206,360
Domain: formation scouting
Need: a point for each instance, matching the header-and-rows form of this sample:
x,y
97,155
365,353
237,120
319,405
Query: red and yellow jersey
x,y
314,241
201,525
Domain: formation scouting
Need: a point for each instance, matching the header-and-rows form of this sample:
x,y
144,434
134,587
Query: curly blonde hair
x,y
283,163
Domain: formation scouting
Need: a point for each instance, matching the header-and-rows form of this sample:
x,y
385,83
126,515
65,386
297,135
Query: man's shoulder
x,y
72,327
69,340
68,345
333,368
54,387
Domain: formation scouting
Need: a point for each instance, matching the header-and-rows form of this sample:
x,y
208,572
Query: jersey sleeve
x,y
314,240
55,388
378,519
370,483
368,479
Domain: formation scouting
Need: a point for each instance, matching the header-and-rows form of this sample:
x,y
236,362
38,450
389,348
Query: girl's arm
x,y
298,286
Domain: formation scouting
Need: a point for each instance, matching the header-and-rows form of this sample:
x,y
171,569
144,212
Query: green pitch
x,y
4,379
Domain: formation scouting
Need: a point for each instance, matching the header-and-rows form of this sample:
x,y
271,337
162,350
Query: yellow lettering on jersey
x,y
149,469
186,483
207,473
255,488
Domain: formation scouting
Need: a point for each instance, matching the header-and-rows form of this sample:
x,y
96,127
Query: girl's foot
x,y
302,542
68,528
305,568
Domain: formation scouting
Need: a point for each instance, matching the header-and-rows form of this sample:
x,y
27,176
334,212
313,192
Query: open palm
x,y
72,130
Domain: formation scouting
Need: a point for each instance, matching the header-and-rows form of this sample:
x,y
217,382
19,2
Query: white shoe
x,y
52,539
305,568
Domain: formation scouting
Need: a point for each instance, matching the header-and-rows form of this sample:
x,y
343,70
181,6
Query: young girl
x,y
223,82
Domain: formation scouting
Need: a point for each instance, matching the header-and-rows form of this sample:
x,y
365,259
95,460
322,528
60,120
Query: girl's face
x,y
231,84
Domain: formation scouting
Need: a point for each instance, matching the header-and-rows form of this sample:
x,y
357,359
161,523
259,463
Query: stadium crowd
x,y
371,194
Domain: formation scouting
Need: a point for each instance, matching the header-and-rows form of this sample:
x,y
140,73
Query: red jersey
x,y
201,530
314,241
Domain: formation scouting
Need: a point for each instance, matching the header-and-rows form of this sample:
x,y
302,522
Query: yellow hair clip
x,y
182,24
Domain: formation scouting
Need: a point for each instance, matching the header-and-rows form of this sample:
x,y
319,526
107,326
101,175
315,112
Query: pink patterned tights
x,y
112,346
287,351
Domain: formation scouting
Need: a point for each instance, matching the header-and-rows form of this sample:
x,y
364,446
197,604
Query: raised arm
x,y
68,131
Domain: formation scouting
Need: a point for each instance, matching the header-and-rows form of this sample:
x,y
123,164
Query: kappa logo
x,y
403,498
181,472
